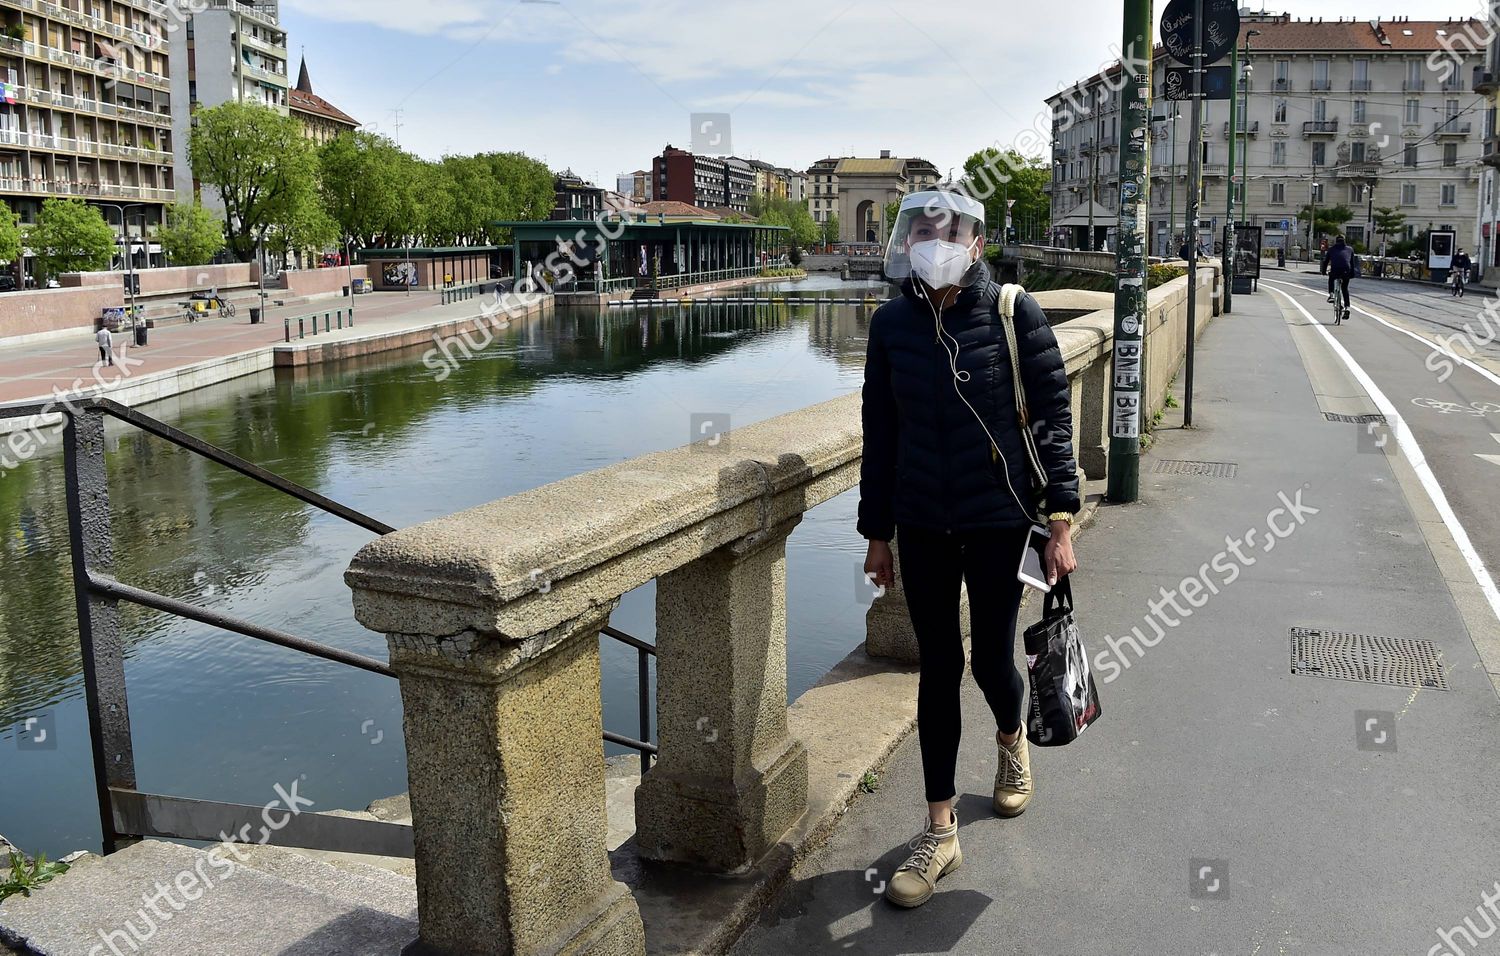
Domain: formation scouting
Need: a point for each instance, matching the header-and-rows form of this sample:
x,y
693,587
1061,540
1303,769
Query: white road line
x,y
1435,346
1413,453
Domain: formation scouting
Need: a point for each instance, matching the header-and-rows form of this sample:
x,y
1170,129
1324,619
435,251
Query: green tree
x,y
830,230
1331,219
10,235
1388,221
259,163
191,235
305,227
994,177
366,186
70,236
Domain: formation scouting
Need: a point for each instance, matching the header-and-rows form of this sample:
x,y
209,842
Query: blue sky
x,y
602,86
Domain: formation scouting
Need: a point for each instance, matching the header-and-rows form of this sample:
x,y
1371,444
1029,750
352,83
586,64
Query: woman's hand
x,y
1059,554
880,566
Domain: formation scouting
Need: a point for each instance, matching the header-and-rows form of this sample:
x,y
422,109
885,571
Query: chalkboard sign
x,y
1221,28
1218,84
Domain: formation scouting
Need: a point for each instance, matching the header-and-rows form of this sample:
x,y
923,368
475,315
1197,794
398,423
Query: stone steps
x,y
208,901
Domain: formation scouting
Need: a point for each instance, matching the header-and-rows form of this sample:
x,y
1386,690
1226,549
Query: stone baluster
x,y
730,780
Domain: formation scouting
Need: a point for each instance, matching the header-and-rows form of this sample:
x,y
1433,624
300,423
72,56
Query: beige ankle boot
x,y
1013,786
936,855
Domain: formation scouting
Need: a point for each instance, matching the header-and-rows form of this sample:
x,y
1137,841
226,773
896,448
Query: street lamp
x,y
125,240
349,262
1245,116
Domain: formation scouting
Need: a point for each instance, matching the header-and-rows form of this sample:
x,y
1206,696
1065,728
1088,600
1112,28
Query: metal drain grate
x,y
1341,655
1355,419
1197,469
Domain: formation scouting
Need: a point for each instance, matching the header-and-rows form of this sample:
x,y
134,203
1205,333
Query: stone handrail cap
x,y
529,562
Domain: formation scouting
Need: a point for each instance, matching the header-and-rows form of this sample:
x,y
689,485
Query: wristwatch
x,y
1061,516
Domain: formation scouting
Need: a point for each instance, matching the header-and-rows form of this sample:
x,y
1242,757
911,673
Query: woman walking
x,y
948,474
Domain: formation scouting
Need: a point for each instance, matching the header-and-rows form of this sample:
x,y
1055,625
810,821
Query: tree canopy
x,y
10,235
70,236
190,235
775,211
259,162
994,177
1330,219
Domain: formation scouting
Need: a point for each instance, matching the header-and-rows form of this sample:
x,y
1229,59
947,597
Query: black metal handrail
x,y
125,813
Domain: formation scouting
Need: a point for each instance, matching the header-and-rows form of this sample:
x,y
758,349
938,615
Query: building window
x,y
1359,112
1449,195
1320,74
1414,74
1320,109
1450,154
1408,194
1319,154
1283,74
1409,156
1356,192
1278,194
1280,115
1361,74
1278,154
1317,192
1413,112
1357,152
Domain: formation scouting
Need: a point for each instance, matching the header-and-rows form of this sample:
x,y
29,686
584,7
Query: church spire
x,y
304,82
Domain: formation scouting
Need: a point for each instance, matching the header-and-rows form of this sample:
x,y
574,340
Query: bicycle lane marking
x,y
1407,442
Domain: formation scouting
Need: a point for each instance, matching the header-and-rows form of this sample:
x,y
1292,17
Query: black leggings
x,y
932,564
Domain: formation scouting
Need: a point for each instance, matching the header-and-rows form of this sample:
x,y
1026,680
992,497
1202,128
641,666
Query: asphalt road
x,y
1451,409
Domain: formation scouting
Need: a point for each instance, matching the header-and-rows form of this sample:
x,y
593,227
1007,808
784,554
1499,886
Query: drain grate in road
x,y
1355,419
1196,469
1341,655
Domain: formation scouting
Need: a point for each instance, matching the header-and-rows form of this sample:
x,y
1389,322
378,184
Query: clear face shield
x,y
938,237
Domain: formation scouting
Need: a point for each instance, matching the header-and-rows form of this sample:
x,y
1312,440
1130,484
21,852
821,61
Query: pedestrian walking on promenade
x,y
106,345
947,473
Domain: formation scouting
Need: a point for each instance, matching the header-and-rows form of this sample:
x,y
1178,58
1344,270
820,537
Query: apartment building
x,y
1487,84
227,50
1359,113
86,110
705,181
857,190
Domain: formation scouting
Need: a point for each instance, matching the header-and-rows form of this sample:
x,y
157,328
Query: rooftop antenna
x,y
397,124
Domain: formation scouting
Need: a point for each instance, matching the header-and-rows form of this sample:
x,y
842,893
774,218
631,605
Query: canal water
x,y
222,717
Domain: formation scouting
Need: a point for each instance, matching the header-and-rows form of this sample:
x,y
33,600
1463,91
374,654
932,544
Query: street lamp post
x,y
349,262
1312,212
125,240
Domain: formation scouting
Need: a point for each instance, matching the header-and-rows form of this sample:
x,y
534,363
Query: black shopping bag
x,y
1064,700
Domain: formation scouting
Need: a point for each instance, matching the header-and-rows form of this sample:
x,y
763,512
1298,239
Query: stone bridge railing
x,y
493,616
1051,257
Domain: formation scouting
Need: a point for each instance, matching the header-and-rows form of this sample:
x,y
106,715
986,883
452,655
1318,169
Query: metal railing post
x,y
643,675
99,638
301,326
286,325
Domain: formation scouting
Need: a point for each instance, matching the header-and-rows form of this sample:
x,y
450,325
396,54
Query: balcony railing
x,y
1322,85
1250,129
1281,85
1320,127
145,39
1414,83
265,14
1451,127
58,187
259,73
1360,86
77,61
1485,82
98,107
90,147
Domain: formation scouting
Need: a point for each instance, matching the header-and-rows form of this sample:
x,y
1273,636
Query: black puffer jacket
x,y
927,460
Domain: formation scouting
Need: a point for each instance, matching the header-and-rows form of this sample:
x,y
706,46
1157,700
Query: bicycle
x,y
1340,305
226,309
1459,280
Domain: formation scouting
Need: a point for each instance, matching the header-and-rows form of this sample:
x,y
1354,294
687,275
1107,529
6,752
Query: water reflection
x,y
222,717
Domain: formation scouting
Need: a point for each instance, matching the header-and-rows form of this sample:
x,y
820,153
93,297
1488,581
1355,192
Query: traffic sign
x,y
1217,83
1221,27
1286,224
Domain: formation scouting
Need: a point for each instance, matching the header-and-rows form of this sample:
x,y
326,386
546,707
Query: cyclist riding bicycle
x,y
1340,268
1461,264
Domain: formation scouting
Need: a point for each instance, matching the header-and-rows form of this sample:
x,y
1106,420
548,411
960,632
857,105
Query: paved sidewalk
x,y
31,371
1211,757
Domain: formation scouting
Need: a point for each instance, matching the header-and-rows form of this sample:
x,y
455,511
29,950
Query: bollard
x,y
286,325
301,328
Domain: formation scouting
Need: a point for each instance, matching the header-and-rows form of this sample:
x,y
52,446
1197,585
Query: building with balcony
x,y
1359,113
321,120
226,50
705,181
86,111
857,191
1486,81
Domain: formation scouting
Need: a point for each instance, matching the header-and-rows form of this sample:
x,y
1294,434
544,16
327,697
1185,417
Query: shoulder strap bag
x,y
1005,308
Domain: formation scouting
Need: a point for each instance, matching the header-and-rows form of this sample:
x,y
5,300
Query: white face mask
x,y
940,263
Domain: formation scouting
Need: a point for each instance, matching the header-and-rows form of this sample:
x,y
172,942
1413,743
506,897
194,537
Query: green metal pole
x,y
1130,255
1234,75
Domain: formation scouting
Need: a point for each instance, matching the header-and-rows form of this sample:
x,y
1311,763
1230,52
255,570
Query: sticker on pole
x,y
1221,27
